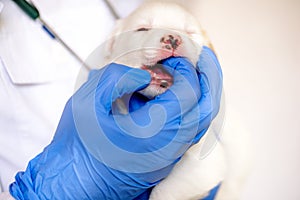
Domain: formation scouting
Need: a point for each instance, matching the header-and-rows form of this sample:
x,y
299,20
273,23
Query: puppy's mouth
x,y
160,77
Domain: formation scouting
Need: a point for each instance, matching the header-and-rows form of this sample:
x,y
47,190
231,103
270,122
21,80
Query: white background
x,y
258,45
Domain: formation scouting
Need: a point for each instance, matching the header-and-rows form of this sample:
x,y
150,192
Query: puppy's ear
x,y
109,46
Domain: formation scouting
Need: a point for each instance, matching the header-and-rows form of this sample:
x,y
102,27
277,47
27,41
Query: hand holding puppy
x,y
99,154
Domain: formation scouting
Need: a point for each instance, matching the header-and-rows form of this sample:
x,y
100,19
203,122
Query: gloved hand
x,y
96,154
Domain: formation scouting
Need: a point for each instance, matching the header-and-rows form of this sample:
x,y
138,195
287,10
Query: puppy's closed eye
x,y
143,29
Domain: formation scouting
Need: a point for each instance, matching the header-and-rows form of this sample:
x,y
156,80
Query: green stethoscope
x,y
30,9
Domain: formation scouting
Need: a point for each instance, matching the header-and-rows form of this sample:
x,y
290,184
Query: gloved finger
x,y
211,80
201,115
205,107
185,91
116,80
93,73
185,70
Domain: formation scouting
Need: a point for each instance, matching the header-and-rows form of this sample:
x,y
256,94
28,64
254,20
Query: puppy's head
x,y
155,31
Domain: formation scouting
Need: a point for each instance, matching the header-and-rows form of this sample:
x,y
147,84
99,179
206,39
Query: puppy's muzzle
x,y
171,41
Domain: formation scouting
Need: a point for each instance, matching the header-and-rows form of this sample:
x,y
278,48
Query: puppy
x,y
155,31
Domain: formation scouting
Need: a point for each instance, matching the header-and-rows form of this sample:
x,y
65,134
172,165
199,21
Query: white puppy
x,y
155,31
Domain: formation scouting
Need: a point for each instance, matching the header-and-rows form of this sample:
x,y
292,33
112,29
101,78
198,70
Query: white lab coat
x,y
37,75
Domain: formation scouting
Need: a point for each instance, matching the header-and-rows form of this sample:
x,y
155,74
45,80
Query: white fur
x,y
135,48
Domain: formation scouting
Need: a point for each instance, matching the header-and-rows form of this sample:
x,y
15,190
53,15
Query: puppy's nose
x,y
170,41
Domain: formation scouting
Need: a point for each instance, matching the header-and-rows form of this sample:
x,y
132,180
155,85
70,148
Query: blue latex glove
x,y
98,155
213,192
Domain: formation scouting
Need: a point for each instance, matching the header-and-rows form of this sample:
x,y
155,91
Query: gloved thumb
x,y
185,92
